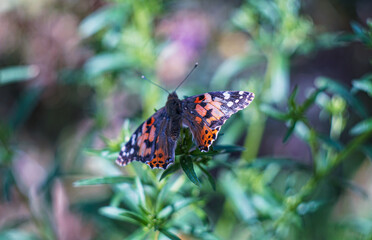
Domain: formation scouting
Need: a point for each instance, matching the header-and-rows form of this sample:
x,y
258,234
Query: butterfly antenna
x,y
143,77
196,64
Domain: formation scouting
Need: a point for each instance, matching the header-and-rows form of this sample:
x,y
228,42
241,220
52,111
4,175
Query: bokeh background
x,y
71,94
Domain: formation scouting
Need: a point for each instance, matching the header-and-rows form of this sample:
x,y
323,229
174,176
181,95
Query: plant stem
x,y
294,201
253,139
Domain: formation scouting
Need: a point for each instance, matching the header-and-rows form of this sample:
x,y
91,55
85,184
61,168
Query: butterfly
x,y
155,140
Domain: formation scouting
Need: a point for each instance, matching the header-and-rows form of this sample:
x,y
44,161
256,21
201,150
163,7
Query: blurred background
x,y
70,95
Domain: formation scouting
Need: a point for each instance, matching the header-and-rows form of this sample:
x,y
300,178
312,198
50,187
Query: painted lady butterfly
x,y
154,142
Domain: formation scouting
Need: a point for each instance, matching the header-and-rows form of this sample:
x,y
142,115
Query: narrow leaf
x,y
103,153
331,142
103,180
211,152
309,207
364,84
242,204
209,176
169,234
103,17
171,169
25,106
272,112
282,162
106,62
218,149
176,206
140,192
358,30
292,98
232,67
367,149
228,148
138,235
311,99
338,88
362,127
188,167
123,215
289,131
17,74
16,234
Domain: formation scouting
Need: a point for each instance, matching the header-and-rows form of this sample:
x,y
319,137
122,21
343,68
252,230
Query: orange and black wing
x,y
149,143
205,114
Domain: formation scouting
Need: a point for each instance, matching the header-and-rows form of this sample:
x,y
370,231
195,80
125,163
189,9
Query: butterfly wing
x,y
149,143
205,114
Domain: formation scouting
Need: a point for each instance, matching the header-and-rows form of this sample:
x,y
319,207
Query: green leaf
x,y
162,197
16,235
362,127
188,167
330,142
17,74
103,153
138,235
338,88
309,207
140,192
231,67
364,84
274,113
169,234
113,15
263,162
106,62
209,176
292,98
362,34
358,30
176,206
218,149
228,148
171,169
311,99
103,180
197,153
234,192
25,106
367,149
289,131
303,131
123,215
6,152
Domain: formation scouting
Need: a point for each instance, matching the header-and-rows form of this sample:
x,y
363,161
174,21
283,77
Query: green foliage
x,y
230,192
363,34
160,203
17,74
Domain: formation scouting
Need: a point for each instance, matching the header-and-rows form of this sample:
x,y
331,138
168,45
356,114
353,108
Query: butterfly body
x,y
174,111
155,140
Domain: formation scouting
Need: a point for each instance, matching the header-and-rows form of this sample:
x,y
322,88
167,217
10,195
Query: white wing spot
x,y
132,151
227,95
237,100
240,97
133,139
229,104
241,92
